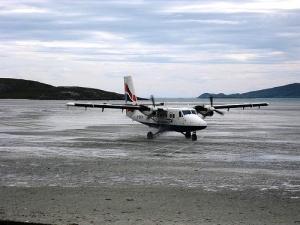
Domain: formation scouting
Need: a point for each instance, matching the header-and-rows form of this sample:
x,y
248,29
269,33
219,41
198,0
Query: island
x,y
27,89
286,91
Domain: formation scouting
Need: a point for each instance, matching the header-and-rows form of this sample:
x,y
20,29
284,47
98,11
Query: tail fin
x,y
129,90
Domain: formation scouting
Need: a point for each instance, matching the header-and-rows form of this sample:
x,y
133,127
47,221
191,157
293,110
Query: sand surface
x,y
146,205
60,166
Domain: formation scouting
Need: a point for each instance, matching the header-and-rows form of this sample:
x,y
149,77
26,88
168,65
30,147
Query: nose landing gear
x,y
194,136
187,135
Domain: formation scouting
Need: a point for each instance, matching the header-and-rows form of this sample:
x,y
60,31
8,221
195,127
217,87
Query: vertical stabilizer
x,y
130,95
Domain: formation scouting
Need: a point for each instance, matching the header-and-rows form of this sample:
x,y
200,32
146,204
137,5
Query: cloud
x,y
206,21
289,34
24,10
179,47
243,57
266,6
20,7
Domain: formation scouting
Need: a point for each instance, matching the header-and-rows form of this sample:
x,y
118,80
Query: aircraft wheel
x,y
194,137
149,135
188,135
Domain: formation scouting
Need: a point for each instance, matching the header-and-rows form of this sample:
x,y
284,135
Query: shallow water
x,y
43,143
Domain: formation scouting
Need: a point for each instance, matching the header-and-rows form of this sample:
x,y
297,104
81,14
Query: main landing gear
x,y
150,135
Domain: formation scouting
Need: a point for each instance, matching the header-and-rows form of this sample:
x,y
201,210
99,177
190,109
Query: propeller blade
x,y
219,112
153,100
211,99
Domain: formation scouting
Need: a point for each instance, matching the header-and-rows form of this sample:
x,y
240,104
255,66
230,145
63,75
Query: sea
x,y
45,143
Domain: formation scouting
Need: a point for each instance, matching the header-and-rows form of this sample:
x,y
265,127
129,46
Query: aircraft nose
x,y
196,121
201,122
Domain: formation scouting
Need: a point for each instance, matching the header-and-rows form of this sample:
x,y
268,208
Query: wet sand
x,y
64,166
146,205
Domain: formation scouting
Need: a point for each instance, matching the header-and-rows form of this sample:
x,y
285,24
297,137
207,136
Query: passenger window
x,y
180,114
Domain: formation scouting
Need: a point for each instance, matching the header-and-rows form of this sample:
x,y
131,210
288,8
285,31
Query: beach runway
x,y
64,166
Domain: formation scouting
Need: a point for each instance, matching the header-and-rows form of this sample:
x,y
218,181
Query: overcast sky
x,y
171,48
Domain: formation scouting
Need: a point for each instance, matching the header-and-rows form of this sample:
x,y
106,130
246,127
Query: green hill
x,y
27,89
286,91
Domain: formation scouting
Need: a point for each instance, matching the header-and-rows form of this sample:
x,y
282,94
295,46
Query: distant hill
x,y
286,91
27,89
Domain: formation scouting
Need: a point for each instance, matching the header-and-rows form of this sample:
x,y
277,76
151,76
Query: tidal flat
x,y
63,166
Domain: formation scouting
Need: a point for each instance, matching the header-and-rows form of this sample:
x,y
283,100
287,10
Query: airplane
x,y
186,120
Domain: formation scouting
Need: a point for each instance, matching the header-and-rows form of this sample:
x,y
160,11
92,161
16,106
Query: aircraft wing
x,y
109,106
208,110
244,105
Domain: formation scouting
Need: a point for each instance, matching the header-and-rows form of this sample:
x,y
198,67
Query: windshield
x,y
186,112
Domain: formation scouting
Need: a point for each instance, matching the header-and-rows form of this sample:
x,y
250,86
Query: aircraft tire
x,y
188,135
149,135
194,137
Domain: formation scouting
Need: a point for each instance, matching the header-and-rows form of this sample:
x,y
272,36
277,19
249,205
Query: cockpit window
x,y
193,111
186,112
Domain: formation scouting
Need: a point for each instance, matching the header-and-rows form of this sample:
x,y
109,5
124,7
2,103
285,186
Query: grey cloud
x,y
141,32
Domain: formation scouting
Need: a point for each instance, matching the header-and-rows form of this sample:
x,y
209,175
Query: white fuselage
x,y
172,119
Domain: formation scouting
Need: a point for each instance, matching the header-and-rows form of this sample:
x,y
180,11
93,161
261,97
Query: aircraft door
x,y
162,116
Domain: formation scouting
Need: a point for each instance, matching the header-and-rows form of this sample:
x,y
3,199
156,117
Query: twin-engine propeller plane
x,y
186,120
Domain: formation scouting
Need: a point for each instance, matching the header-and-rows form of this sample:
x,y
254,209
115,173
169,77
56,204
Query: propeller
x,y
153,113
211,99
208,110
219,112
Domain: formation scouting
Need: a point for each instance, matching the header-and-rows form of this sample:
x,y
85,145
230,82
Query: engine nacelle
x,y
209,113
205,110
